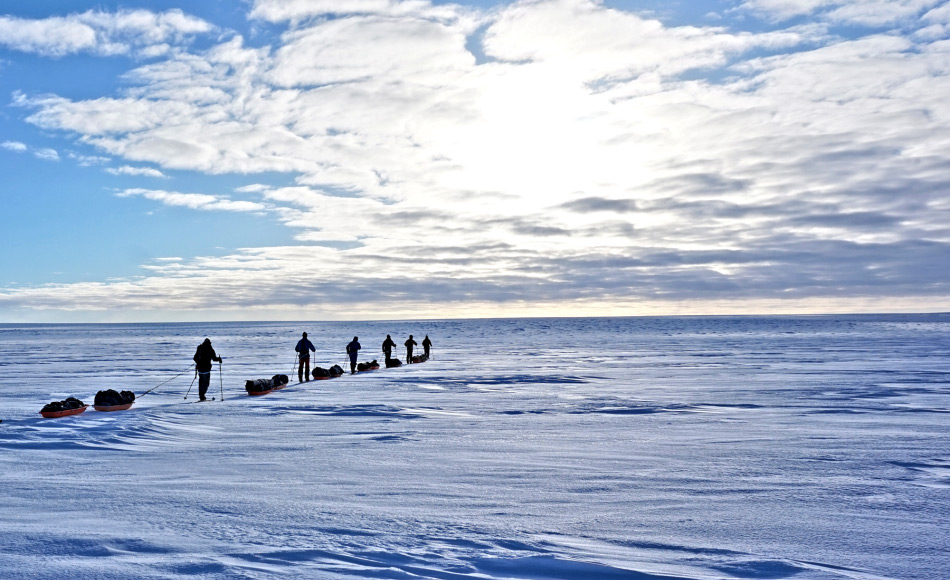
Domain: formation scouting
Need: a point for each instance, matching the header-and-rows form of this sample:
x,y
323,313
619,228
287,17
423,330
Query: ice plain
x,y
678,448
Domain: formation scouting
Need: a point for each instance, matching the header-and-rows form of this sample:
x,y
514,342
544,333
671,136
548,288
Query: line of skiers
x,y
205,355
305,347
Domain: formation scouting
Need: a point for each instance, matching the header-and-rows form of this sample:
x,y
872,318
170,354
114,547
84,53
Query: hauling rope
x,y
168,381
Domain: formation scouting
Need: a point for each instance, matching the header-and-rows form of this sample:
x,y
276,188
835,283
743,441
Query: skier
x,y
426,344
303,348
388,345
353,349
203,357
409,344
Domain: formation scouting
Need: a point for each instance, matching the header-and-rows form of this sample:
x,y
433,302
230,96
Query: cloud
x,y
46,154
548,151
875,13
14,146
104,33
595,204
197,201
585,40
295,11
416,49
88,160
129,170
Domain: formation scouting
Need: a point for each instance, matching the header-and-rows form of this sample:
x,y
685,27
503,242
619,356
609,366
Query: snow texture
x,y
641,448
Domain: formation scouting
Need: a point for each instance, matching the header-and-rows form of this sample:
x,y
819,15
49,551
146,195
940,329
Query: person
x,y
303,348
388,345
409,344
353,349
426,345
203,357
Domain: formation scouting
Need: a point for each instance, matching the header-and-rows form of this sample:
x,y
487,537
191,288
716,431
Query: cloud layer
x,y
546,154
104,33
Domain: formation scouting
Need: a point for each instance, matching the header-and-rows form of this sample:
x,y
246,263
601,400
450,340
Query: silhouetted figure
x,y
426,345
203,357
353,349
388,345
409,344
304,348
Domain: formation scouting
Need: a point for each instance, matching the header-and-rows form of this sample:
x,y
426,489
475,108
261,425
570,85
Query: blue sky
x,y
400,159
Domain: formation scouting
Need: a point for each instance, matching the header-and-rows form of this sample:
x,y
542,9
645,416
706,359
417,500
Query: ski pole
x,y
192,383
221,379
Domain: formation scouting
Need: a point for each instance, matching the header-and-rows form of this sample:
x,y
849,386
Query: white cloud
x,y
282,10
129,170
14,146
861,12
253,188
939,15
582,38
103,116
46,154
197,201
105,33
88,160
412,49
295,11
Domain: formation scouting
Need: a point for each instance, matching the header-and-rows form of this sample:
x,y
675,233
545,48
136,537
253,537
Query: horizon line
x,y
483,318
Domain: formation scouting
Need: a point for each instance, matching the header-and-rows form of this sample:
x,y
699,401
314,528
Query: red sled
x,y
112,407
63,413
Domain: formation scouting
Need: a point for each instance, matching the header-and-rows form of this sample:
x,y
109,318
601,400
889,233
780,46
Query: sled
x,y
267,392
64,412
112,407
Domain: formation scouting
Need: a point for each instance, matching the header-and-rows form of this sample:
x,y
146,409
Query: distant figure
x,y
304,348
353,349
409,344
426,345
388,345
203,357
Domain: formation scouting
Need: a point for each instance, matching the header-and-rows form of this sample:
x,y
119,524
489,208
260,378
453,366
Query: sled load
x,y
421,358
320,373
264,386
69,406
370,366
111,400
393,362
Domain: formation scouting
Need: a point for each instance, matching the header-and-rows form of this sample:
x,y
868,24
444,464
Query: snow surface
x,y
641,448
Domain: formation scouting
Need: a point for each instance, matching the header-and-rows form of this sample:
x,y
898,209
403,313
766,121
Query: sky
x,y
382,159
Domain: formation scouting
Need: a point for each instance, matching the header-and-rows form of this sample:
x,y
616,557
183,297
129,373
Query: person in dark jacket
x,y
353,349
203,357
388,345
409,344
426,345
304,348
